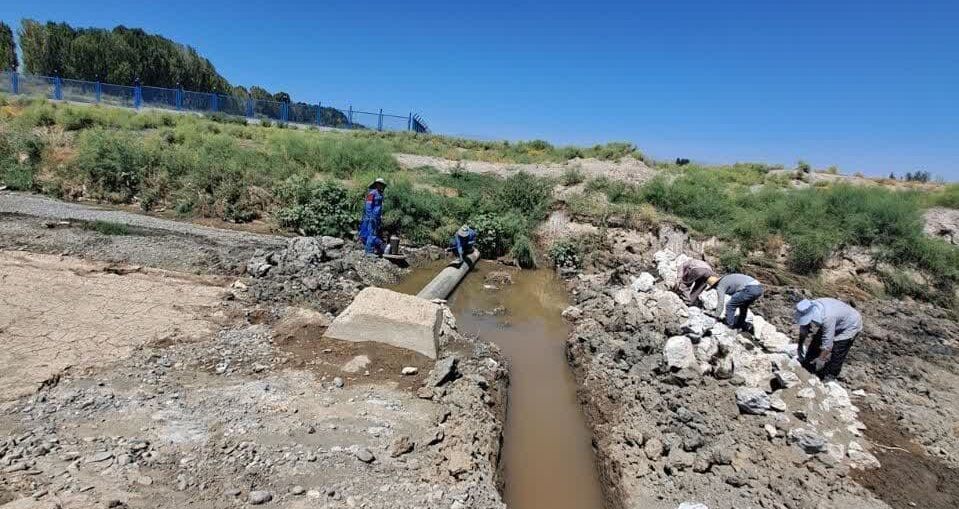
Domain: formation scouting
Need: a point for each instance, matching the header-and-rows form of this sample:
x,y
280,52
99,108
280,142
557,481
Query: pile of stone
x,y
769,381
326,271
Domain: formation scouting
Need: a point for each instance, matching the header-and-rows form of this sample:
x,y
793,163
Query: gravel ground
x,y
49,208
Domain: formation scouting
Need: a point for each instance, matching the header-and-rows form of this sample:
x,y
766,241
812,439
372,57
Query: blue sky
x,y
869,86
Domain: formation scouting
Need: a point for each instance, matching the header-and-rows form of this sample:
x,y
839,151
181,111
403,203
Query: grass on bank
x,y
756,211
308,181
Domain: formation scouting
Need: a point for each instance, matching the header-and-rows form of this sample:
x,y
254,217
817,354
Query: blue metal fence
x,y
139,96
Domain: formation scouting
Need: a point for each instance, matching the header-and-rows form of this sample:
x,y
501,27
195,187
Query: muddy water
x,y
547,450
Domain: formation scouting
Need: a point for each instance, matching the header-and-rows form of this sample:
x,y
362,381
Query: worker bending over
x,y
838,325
692,278
463,242
372,217
743,291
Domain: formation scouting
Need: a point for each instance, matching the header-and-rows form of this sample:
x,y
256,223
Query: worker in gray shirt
x,y
839,324
691,279
743,291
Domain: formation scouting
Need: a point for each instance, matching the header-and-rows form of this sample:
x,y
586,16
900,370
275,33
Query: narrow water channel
x,y
547,450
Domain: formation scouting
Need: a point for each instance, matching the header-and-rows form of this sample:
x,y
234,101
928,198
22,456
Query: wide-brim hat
x,y
377,181
464,231
807,311
712,281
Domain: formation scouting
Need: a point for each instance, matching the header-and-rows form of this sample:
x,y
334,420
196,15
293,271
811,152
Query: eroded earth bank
x,y
686,412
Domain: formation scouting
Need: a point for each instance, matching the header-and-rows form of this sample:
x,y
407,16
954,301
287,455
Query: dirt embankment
x,y
665,397
145,386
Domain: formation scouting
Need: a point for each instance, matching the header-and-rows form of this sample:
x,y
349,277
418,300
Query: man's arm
x,y
803,334
721,294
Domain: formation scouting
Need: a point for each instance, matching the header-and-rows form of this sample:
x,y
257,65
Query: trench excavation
x,y
548,461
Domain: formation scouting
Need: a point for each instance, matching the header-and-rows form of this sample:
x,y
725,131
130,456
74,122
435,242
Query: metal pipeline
x,y
445,282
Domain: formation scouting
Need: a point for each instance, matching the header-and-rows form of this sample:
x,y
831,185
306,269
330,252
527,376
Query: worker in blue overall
x,y
463,242
372,217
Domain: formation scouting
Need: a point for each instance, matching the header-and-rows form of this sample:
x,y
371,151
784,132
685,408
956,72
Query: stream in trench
x,y
547,452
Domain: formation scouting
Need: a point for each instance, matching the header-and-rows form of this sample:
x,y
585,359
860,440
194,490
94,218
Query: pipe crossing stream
x,y
547,452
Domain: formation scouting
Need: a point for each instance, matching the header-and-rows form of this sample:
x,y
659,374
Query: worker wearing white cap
x,y
838,323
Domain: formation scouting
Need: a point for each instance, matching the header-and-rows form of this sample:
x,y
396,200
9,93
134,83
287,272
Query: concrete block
x,y
392,318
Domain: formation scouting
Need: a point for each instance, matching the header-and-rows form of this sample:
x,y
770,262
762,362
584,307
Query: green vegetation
x,y
8,48
308,182
572,176
108,228
535,151
116,56
947,197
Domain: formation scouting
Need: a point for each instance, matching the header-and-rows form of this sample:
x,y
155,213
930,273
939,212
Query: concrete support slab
x,y
389,317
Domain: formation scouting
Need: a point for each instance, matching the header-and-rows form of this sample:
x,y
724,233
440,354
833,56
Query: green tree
x,y
120,56
8,48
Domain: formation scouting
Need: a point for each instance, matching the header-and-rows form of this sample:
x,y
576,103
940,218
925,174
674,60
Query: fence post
x,y
319,109
137,95
57,88
349,120
284,112
409,122
179,97
16,82
98,89
249,106
214,102
379,122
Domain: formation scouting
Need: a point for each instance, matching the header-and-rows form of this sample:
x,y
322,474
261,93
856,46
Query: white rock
x,y
692,505
859,458
771,430
709,299
679,353
698,323
753,366
806,393
667,265
752,401
572,313
771,339
787,378
644,282
410,370
624,296
706,349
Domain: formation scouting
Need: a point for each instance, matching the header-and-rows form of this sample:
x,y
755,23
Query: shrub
x,y
265,122
524,194
948,196
572,175
731,259
496,232
108,228
522,251
111,163
20,153
315,208
803,166
565,253
809,252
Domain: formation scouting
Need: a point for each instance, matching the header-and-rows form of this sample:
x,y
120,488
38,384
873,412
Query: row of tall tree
x,y
8,48
124,55
119,56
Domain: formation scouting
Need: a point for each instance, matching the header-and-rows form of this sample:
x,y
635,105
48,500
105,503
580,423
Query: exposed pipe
x,y
445,282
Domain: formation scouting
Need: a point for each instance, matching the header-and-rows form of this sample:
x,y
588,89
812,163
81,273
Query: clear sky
x,y
869,86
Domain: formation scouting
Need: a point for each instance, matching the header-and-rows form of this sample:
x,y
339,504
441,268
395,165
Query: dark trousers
x,y
741,301
840,349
